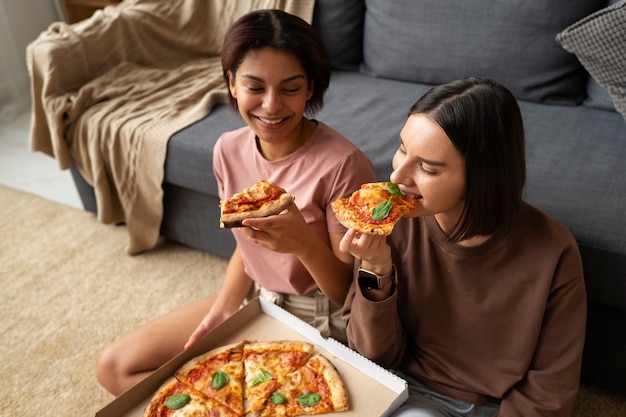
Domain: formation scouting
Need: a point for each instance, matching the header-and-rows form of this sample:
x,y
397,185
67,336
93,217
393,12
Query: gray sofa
x,y
387,53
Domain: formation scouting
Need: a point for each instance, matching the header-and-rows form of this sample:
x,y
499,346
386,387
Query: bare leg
x,y
134,355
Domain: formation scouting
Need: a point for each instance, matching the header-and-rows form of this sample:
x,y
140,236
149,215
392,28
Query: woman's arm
x,y
373,325
331,269
236,286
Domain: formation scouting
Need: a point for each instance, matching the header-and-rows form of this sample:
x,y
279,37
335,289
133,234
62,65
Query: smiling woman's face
x,y
427,165
272,89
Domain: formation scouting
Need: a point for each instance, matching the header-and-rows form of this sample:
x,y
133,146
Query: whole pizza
x,y
252,378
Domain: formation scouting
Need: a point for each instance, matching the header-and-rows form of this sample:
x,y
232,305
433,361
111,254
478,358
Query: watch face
x,y
368,280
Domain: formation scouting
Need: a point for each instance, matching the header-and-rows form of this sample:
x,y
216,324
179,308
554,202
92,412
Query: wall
x,y
21,21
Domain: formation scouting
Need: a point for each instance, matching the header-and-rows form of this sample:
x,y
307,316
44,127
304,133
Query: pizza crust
x,y
199,360
228,221
279,345
157,400
338,392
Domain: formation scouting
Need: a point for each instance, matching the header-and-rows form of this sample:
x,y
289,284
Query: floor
x,y
33,172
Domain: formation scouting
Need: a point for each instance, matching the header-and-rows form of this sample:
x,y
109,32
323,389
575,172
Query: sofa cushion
x,y
340,24
598,96
511,41
599,42
575,170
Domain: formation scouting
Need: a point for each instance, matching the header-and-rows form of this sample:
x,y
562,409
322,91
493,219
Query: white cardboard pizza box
x,y
372,390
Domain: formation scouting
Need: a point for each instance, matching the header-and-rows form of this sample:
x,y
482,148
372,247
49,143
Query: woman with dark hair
x,y
276,69
291,36
481,302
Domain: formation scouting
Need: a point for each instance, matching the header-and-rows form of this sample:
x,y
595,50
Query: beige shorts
x,y
315,309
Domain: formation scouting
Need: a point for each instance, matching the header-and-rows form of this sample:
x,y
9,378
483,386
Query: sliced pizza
x,y
314,388
261,200
218,374
177,399
252,378
374,209
267,365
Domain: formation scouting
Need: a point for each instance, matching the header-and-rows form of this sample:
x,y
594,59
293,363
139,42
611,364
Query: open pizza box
x,y
372,390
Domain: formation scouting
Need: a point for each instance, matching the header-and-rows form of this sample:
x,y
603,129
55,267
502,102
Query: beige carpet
x,y
68,288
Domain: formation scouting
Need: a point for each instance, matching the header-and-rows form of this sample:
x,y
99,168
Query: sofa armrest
x,y
152,33
148,33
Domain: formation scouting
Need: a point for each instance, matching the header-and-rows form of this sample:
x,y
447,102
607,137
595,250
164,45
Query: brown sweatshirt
x,y
503,320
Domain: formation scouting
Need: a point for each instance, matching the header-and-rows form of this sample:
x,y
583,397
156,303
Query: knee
x,y
109,370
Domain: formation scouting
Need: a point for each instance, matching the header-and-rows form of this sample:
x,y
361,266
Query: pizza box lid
x,y
372,390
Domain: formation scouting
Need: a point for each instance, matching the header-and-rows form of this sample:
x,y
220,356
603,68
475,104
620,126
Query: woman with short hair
x,y
482,306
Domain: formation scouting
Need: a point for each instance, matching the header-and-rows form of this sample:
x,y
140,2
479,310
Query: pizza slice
x,y
177,399
218,374
267,365
374,209
314,388
261,200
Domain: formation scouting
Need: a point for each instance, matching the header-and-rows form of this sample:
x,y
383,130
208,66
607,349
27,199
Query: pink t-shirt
x,y
327,167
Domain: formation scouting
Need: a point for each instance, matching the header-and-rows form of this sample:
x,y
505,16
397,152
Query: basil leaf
x,y
382,210
394,189
219,379
278,398
177,401
261,377
309,399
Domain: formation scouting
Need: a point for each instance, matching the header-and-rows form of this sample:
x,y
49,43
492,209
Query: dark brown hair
x,y
483,120
285,32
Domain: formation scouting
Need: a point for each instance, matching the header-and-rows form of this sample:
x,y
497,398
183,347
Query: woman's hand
x,y
372,250
287,232
208,323
237,284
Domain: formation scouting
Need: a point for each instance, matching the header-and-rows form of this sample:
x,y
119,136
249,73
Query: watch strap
x,y
382,280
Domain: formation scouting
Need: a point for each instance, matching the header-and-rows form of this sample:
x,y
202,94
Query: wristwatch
x,y
373,281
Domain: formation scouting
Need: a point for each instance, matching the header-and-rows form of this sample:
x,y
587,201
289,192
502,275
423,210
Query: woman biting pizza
x,y
477,298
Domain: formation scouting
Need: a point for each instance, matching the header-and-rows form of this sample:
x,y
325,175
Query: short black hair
x,y
483,120
269,28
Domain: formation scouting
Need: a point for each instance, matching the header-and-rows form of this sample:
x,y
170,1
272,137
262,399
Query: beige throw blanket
x,y
108,92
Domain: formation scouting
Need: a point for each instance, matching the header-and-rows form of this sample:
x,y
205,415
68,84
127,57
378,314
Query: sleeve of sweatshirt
x,y
373,328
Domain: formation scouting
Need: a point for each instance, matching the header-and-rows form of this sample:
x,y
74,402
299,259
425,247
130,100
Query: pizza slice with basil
x,y
178,399
218,374
374,209
267,366
314,388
